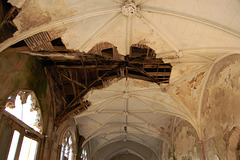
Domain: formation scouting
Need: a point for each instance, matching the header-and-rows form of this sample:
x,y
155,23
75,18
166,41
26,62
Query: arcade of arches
x,y
120,79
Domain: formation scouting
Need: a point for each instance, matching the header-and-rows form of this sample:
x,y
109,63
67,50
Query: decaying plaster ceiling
x,y
129,109
192,36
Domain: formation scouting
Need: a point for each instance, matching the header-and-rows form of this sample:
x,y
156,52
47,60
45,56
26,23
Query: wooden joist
x,y
156,66
65,116
158,73
75,77
99,67
77,100
72,80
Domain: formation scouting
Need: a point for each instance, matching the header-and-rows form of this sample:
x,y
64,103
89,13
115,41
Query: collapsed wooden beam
x,y
73,81
77,100
158,73
99,67
81,72
82,106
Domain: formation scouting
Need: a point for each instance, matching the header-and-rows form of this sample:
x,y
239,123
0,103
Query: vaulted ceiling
x,y
126,70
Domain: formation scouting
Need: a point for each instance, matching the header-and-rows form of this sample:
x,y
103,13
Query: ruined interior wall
x,y
220,109
22,72
58,135
185,143
18,72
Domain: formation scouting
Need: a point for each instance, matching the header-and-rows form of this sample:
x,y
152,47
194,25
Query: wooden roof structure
x,y
71,79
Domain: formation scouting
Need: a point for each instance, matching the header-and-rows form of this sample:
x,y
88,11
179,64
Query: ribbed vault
x,y
100,78
129,110
112,150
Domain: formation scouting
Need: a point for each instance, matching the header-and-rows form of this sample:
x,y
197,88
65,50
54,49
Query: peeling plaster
x,y
220,113
30,16
141,84
220,104
196,81
189,92
186,142
232,143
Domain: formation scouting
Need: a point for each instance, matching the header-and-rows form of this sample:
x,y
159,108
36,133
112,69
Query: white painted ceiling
x,y
128,109
164,25
192,35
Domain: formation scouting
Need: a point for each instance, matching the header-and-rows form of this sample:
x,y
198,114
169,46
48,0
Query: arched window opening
x,y
67,147
84,154
26,108
21,127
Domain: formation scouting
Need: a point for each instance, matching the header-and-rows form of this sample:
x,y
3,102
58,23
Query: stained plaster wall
x,y
185,143
189,91
220,117
220,109
21,72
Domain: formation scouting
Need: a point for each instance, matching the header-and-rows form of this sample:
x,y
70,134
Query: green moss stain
x,y
17,79
18,71
37,80
171,154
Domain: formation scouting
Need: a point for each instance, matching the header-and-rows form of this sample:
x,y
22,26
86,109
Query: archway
x,y
129,110
114,149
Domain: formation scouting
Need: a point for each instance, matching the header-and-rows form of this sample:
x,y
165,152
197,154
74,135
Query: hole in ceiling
x,y
105,49
18,44
58,42
7,14
140,50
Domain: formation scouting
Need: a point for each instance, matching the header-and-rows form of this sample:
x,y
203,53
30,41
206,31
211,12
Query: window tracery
x,y
84,154
22,119
25,107
67,147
